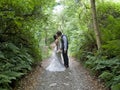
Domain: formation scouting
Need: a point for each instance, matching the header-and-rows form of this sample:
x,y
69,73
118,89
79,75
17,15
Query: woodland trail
x,y
76,77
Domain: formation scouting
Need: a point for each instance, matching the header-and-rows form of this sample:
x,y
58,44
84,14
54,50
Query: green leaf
x,y
106,76
2,55
7,76
116,87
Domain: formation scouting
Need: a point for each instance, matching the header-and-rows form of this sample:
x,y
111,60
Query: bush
x,y
105,65
116,87
14,62
106,69
20,38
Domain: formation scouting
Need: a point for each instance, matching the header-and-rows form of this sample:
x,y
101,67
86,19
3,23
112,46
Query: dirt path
x,y
73,78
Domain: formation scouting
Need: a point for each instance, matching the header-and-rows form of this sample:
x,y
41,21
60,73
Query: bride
x,y
56,60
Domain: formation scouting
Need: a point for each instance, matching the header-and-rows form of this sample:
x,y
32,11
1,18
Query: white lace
x,y
56,62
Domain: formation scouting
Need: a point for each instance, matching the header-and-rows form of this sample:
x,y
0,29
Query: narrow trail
x,y
76,77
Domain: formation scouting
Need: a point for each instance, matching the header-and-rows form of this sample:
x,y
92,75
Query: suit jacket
x,y
64,42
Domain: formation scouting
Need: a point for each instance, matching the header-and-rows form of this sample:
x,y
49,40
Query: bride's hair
x,y
55,37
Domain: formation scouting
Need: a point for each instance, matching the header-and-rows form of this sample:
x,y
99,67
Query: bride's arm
x,y
59,45
56,42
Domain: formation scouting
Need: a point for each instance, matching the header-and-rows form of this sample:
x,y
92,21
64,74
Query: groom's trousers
x,y
65,57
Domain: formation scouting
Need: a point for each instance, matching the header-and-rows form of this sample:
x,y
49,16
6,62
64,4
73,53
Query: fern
x,y
116,87
112,48
8,76
3,89
106,76
2,55
14,63
21,34
116,80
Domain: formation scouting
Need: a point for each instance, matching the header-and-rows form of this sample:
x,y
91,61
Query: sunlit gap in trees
x,y
57,13
58,8
58,1
114,0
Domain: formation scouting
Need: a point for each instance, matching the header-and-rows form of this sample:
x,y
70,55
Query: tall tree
x,y
95,23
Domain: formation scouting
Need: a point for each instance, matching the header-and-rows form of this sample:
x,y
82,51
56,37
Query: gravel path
x,y
76,77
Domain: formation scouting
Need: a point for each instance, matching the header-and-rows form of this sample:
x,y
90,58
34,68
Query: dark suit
x,y
64,42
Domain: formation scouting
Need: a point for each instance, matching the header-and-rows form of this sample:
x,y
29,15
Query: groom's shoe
x,y
67,66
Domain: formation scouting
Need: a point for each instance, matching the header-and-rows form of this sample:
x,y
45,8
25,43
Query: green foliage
x,y
99,64
116,87
109,19
86,45
14,62
106,69
105,65
112,48
116,80
106,76
21,29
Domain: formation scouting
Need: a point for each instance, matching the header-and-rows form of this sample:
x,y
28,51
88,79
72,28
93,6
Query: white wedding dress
x,y
56,61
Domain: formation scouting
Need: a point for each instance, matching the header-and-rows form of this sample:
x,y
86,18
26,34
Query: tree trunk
x,y
95,23
46,36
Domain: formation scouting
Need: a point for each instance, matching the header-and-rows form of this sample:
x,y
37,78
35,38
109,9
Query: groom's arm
x,y
60,45
65,43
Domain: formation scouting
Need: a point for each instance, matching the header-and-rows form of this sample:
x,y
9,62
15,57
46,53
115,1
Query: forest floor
x,y
76,77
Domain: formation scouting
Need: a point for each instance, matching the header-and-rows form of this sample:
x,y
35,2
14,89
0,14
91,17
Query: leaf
x,y
7,76
106,76
116,87
13,47
3,89
2,55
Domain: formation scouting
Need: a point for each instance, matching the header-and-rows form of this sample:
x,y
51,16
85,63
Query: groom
x,y
64,48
